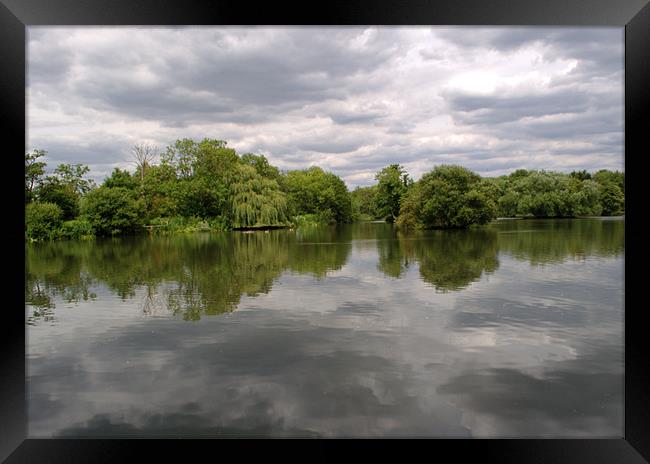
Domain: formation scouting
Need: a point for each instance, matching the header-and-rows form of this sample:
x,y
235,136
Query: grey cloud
x,y
352,118
576,393
295,380
247,85
474,109
333,146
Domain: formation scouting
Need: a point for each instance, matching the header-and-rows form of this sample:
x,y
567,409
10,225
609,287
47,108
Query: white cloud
x,y
350,99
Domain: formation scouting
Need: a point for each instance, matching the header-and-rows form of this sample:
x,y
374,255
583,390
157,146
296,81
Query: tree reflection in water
x,y
207,274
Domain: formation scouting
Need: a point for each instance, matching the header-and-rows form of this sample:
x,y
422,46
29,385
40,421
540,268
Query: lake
x,y
514,329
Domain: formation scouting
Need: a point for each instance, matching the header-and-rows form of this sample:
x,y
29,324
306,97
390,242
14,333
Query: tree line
x,y
206,185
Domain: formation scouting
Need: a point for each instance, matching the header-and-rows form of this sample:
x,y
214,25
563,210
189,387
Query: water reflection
x,y
514,329
553,241
208,273
198,274
448,260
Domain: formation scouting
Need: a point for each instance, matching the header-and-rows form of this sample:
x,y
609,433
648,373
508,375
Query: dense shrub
x,y
76,229
447,197
611,199
60,194
314,191
42,220
113,211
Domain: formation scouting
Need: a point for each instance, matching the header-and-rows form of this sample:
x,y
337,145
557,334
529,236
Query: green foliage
x,y
262,166
256,201
77,229
204,171
181,224
364,206
447,197
605,176
581,175
158,189
302,220
72,175
393,183
121,178
42,221
551,241
612,199
549,194
113,211
64,188
34,170
53,190
612,189
212,188
314,191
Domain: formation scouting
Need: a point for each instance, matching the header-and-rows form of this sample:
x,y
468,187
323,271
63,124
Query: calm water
x,y
515,329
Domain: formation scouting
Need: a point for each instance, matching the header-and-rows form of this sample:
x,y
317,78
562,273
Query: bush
x,y
42,220
77,229
447,197
180,224
307,220
62,195
113,211
314,191
612,199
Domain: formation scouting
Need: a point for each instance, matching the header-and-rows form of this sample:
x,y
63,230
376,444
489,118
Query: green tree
x,y
581,175
393,183
262,166
65,188
447,197
605,176
113,211
53,190
612,199
34,171
256,201
73,175
314,191
121,178
204,171
42,220
364,205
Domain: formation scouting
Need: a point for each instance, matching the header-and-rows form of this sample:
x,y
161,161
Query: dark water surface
x,y
512,330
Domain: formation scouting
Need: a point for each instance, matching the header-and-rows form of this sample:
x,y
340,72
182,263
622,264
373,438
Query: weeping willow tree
x,y
256,201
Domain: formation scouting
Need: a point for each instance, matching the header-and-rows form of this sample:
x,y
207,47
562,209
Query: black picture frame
x,y
633,15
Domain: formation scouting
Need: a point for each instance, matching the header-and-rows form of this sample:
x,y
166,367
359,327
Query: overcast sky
x,y
349,99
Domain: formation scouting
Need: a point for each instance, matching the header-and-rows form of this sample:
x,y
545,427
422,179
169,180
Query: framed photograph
x,y
354,222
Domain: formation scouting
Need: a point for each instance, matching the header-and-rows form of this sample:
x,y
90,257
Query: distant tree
x,y
53,190
42,220
261,165
605,176
612,191
143,155
65,188
314,191
73,175
611,199
447,197
204,171
34,171
581,175
256,201
364,205
393,183
113,211
121,178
